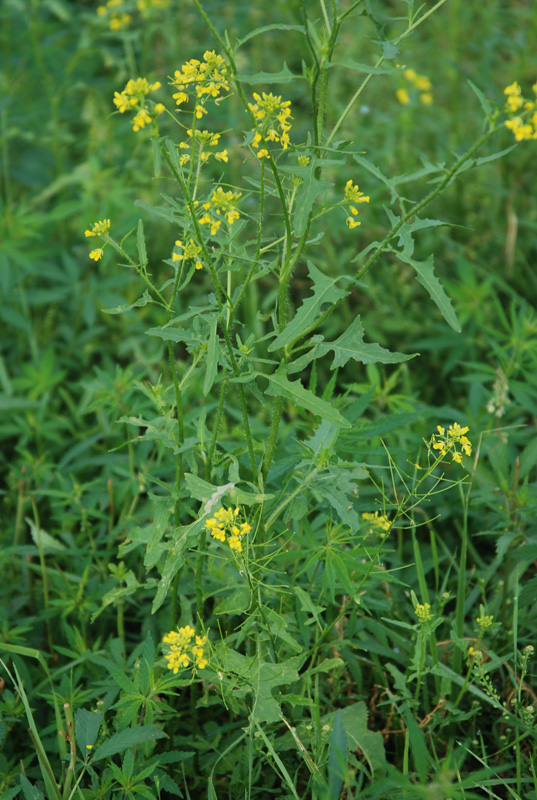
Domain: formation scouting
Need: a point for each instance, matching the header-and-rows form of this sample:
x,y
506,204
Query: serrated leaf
x,y
390,50
427,278
48,542
29,791
140,303
354,719
281,386
351,345
124,740
87,725
325,292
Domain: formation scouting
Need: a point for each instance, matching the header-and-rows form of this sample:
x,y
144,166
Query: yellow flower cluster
x,y
523,125
181,651
272,117
225,525
118,11
203,140
485,621
133,98
118,18
100,228
378,523
421,83
353,196
222,205
423,612
446,442
207,78
190,252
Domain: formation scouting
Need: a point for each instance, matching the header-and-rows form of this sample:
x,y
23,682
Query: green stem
x,y
461,587
43,567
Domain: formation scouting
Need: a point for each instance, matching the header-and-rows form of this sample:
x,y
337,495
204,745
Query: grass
x,y
244,459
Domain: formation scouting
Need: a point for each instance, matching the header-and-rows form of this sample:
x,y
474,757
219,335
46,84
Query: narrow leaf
x,y
140,243
213,347
427,278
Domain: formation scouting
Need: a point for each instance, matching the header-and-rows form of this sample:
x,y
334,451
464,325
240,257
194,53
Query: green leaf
x,y
486,104
87,725
213,348
310,189
281,386
267,28
325,293
140,243
124,740
30,792
48,542
337,756
355,66
183,538
390,50
284,76
354,719
351,345
140,303
427,278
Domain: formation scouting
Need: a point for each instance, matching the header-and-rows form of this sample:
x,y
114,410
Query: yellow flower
x,y
423,612
96,254
403,97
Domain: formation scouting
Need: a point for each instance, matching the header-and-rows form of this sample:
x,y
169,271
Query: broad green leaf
x,y
267,28
325,293
29,791
87,725
354,719
351,345
281,386
140,244
124,740
140,303
310,189
213,348
284,76
427,278
211,496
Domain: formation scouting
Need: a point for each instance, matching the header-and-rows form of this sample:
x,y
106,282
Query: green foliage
x,y
239,557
